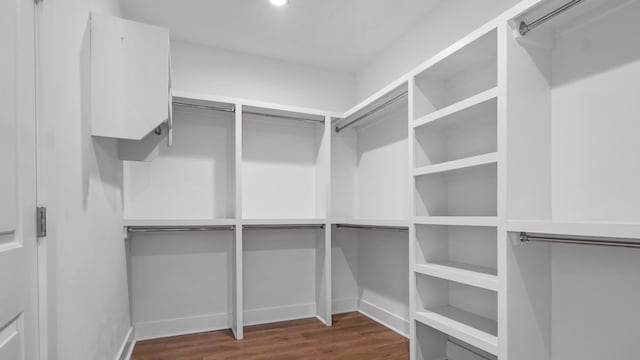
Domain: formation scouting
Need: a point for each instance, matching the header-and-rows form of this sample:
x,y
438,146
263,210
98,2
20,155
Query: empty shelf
x,y
477,276
468,327
465,108
457,220
478,160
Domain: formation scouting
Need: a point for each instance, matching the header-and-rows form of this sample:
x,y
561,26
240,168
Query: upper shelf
x,y
481,103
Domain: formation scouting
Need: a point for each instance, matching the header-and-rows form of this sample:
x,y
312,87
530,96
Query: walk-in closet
x,y
339,179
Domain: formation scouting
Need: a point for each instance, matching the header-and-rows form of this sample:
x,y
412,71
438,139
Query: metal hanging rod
x,y
284,227
391,101
233,109
207,107
524,237
285,117
180,228
525,28
372,227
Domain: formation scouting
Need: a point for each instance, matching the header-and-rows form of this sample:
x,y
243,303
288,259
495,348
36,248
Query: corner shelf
x,y
469,162
477,276
470,328
481,102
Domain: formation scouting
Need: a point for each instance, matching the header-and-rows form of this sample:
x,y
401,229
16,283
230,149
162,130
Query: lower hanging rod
x,y
372,227
284,227
524,237
180,228
391,101
525,28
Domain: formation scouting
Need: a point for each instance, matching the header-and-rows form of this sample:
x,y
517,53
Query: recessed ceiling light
x,y
279,2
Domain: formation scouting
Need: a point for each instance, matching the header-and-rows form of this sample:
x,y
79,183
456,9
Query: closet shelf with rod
x,y
134,229
526,237
370,108
525,28
373,227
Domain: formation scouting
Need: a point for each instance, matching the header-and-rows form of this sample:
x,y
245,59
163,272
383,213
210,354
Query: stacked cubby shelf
x,y
454,230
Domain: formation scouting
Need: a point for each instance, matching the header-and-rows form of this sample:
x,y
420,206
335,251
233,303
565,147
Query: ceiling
x,y
337,34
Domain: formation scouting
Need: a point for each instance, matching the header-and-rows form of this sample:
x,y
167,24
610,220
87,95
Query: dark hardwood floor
x,y
353,336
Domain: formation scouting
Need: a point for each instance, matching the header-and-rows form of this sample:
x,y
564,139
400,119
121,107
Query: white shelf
x,y
465,108
456,220
469,162
592,229
477,276
372,222
179,222
315,221
470,328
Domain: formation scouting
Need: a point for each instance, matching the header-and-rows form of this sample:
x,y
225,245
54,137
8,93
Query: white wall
x,y
446,23
209,70
81,183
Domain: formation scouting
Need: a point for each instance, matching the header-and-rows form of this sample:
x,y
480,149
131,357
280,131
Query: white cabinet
x,y
130,84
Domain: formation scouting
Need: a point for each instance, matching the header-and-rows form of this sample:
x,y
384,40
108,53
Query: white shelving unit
x,y
498,134
454,238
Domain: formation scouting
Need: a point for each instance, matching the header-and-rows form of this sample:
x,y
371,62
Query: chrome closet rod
x,y
285,117
207,107
525,28
284,227
233,109
524,237
180,228
372,227
394,100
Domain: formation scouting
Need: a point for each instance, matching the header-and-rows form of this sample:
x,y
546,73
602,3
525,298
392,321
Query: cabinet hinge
x,y
41,225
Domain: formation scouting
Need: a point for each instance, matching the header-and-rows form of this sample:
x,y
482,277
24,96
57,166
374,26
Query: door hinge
x,y
41,226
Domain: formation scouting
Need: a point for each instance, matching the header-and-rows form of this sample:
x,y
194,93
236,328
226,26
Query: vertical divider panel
x,y
238,308
502,238
324,297
413,343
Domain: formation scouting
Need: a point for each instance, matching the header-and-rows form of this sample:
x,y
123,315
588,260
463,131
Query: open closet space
x,y
331,180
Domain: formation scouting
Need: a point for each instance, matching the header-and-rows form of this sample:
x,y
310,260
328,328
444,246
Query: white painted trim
x,y
125,351
182,326
392,321
279,313
345,305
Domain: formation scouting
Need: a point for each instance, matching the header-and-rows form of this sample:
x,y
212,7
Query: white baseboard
x,y
181,326
126,349
279,313
384,317
340,306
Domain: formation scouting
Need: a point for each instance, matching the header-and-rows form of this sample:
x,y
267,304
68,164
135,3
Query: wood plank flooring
x,y
353,336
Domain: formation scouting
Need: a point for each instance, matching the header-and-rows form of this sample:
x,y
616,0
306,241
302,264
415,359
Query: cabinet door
x,y
129,77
